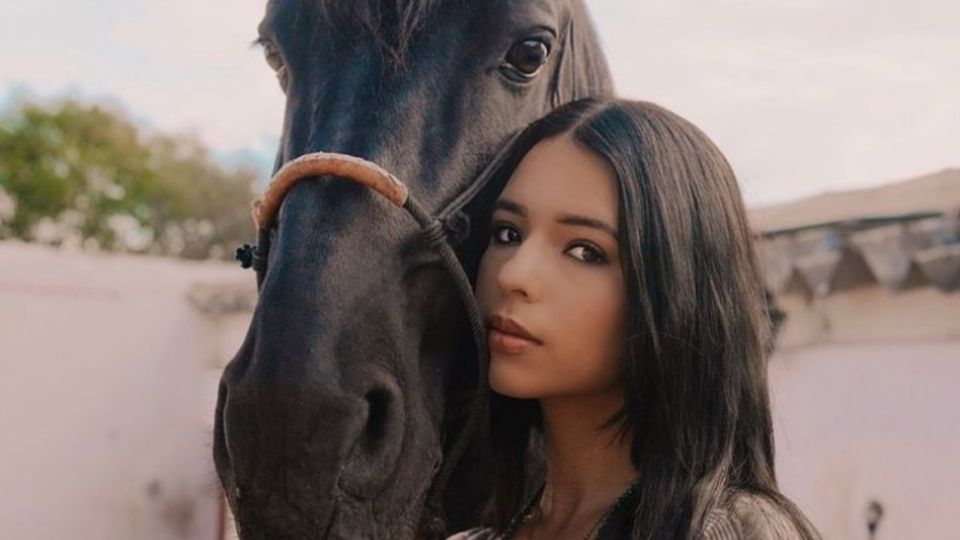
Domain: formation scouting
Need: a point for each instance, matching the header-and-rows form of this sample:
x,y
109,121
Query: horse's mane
x,y
392,23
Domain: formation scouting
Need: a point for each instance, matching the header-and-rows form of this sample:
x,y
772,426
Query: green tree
x,y
85,175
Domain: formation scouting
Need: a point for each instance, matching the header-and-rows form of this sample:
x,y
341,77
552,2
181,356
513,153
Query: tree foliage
x,y
85,176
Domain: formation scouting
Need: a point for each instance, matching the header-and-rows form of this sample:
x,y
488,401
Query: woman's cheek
x,y
584,333
610,324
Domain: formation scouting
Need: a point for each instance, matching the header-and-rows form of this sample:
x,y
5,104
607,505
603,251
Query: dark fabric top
x,y
749,517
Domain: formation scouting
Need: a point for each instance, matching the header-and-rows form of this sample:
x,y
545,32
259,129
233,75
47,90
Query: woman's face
x,y
552,266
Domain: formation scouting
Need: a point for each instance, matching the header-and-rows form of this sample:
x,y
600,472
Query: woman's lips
x,y
503,342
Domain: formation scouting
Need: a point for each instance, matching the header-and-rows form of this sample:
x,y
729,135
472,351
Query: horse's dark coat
x,y
332,417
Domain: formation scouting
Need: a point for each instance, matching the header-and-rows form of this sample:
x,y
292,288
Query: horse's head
x,y
333,417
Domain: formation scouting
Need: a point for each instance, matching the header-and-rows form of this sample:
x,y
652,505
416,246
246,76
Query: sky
x,y
802,96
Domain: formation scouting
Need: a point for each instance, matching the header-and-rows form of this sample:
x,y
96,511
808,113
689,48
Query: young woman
x,y
629,337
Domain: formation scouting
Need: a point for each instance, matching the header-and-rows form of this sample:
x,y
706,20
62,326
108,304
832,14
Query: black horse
x,y
335,414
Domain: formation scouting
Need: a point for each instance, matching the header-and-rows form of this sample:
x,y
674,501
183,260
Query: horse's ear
x,y
583,70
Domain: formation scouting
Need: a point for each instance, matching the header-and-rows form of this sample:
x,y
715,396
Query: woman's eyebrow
x,y
566,219
584,221
510,206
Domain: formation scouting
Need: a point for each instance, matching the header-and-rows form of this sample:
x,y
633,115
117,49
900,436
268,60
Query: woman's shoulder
x,y
477,533
750,516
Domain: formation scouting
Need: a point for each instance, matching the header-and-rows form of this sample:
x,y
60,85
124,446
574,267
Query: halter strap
x,y
371,175
354,168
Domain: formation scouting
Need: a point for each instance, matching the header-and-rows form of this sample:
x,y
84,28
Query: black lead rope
x,y
432,522
256,256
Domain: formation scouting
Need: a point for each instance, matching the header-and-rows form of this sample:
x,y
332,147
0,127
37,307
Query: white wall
x,y
866,398
106,396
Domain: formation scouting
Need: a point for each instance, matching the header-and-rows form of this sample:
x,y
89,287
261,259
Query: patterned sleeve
x,y
478,533
750,517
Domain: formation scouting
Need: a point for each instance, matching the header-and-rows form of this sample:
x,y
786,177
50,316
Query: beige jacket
x,y
749,518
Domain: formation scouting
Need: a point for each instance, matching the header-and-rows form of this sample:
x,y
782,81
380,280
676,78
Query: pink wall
x,y
857,422
106,398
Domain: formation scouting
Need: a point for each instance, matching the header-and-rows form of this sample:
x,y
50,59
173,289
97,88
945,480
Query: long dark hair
x,y
696,405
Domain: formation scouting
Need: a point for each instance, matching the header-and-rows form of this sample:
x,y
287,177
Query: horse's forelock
x,y
392,23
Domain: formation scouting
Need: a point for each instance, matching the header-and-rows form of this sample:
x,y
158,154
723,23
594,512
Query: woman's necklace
x,y
527,513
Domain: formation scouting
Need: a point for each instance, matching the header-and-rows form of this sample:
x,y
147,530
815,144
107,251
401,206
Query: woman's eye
x,y
502,234
587,254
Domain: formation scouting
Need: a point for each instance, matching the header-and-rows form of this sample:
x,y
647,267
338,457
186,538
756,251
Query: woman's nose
x,y
521,272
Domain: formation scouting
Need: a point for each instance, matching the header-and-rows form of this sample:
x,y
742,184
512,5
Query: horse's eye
x,y
272,54
275,60
525,59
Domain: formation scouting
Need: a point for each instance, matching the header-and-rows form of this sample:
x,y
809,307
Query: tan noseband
x,y
325,164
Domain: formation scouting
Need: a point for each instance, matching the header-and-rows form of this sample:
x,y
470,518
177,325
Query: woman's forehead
x,y
558,175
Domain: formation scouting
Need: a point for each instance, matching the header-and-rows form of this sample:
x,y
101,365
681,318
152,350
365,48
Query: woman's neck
x,y
587,470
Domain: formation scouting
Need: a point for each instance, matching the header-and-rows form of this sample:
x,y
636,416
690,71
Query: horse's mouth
x,y
258,519
270,529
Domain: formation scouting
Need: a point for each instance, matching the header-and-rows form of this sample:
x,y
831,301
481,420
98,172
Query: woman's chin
x,y
511,386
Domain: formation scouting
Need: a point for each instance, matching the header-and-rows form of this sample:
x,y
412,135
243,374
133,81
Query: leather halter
x,y
450,221
324,163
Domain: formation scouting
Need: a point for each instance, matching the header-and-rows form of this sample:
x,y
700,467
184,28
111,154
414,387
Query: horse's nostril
x,y
379,439
378,411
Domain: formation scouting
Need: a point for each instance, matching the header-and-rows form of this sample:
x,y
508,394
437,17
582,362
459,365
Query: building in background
x,y
866,374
